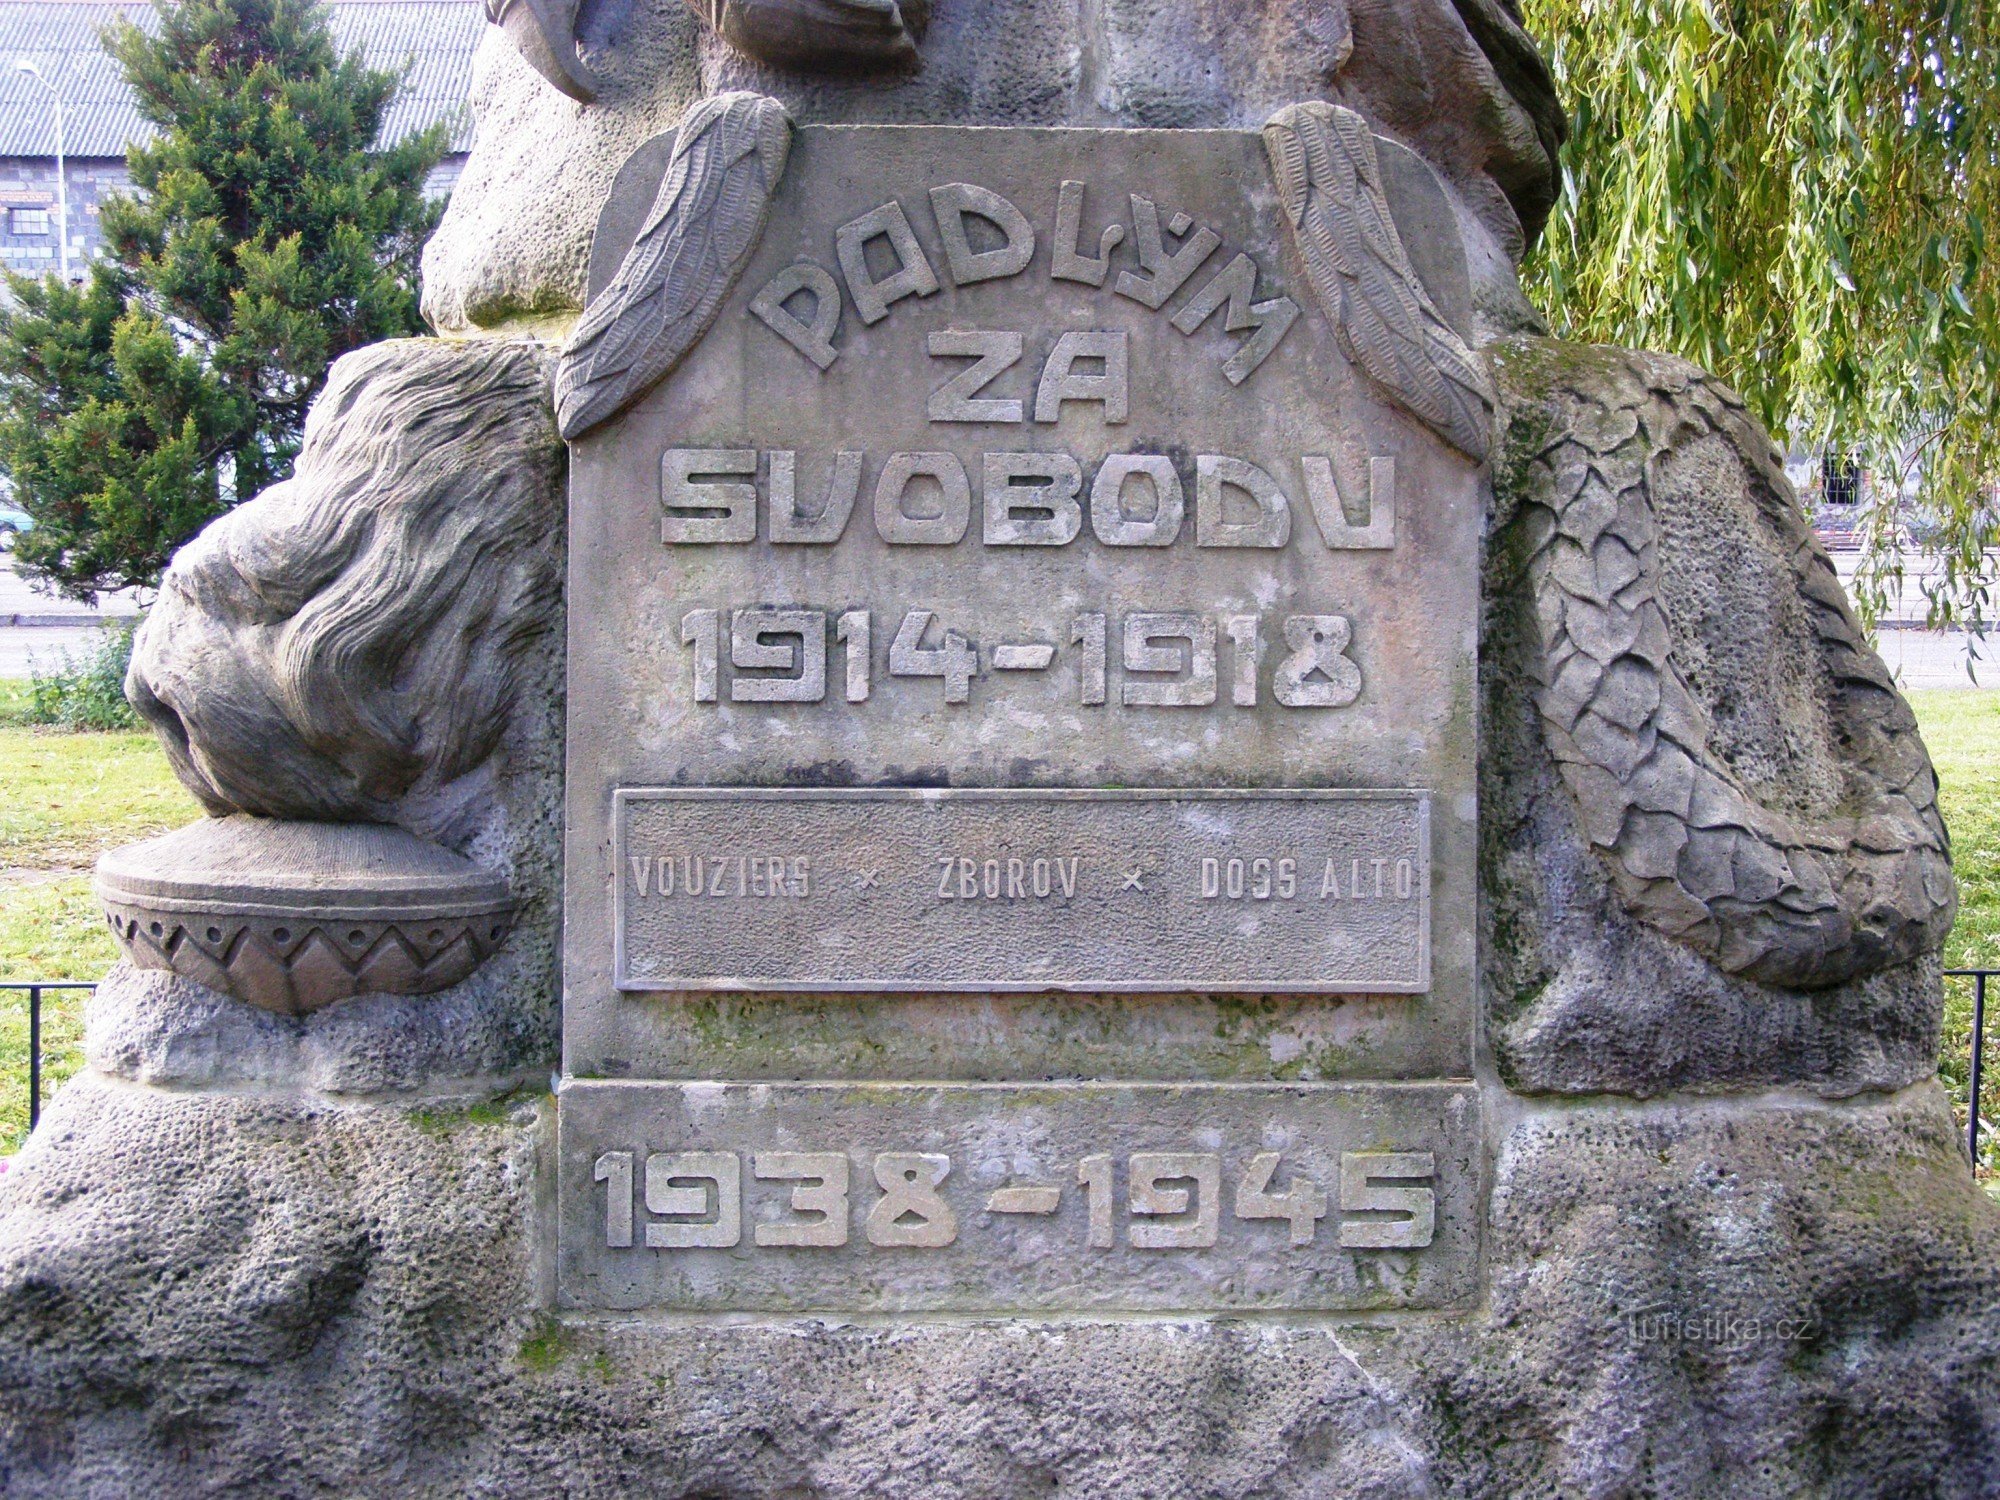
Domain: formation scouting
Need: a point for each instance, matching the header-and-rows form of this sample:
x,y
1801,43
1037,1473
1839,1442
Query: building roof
x,y
433,39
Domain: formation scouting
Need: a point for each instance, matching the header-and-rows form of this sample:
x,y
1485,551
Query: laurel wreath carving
x,y
704,225
1330,180
1804,904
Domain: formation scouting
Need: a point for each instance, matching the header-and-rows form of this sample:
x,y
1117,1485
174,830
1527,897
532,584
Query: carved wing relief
x,y
703,227
1330,181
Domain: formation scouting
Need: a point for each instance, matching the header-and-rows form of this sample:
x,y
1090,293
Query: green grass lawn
x,y
1962,728
70,796
67,798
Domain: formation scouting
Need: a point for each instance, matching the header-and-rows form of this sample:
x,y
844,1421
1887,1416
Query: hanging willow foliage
x,y
1797,194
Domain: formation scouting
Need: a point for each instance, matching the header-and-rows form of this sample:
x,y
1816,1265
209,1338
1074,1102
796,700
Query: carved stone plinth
x,y
294,916
1155,854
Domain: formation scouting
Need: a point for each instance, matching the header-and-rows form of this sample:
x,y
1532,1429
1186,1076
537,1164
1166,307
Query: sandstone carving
x,y
545,31
1789,899
887,706
1331,181
1455,80
294,916
835,35
168,1258
342,655
704,224
349,645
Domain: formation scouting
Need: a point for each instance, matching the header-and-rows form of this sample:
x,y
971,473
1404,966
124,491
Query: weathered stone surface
x,y
1457,81
1752,780
1728,824
281,1255
1020,1198
216,1294
884,889
1747,1298
501,1023
832,36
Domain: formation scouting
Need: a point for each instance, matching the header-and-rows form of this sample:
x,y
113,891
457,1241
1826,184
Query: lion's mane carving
x,y
349,645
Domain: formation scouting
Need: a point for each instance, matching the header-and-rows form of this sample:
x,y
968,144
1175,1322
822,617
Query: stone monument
x,y
993,784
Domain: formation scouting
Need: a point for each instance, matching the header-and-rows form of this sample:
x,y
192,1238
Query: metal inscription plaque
x,y
967,1198
799,889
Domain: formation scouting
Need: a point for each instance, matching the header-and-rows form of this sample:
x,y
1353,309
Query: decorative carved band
x,y
295,967
293,916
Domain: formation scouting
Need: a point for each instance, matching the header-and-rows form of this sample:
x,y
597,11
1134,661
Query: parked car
x,y
13,521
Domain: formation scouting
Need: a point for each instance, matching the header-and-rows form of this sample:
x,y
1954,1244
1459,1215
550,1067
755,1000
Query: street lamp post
x,y
62,173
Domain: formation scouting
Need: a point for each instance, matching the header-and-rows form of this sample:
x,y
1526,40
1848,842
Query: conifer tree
x,y
267,237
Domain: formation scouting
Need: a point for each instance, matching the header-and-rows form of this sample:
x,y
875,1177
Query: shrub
x,y
86,692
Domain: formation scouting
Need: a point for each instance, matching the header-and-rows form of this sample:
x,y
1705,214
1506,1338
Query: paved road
x,y
19,602
26,649
1908,606
1924,658
37,630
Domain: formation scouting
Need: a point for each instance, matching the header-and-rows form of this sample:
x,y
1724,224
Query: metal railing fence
x,y
1976,1064
35,989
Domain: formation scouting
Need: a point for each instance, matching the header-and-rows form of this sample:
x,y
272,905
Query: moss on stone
x,y
441,1120
547,1346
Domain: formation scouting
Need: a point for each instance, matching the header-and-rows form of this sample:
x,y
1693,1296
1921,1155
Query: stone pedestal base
x,y
1764,1297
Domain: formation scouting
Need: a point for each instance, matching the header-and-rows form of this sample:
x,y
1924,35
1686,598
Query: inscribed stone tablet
x,y
1020,510
800,889
984,1198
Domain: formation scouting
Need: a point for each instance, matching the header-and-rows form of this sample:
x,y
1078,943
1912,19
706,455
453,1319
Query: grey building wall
x,y
28,186
428,44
